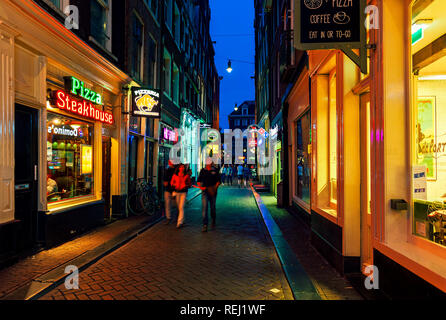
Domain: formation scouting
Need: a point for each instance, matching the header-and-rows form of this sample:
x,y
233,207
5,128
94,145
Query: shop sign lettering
x,y
427,148
326,24
84,108
146,103
77,87
62,131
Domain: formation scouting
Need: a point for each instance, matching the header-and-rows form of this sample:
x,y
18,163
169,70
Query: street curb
x,y
41,285
46,282
301,285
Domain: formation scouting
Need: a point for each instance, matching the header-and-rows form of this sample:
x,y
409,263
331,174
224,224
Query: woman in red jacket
x,y
181,183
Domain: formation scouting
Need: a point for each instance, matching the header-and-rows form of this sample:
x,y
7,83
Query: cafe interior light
x,y
433,77
421,24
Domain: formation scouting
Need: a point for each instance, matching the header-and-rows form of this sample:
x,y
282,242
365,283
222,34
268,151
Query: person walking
x,y
229,174
181,182
223,174
208,181
246,175
240,175
168,190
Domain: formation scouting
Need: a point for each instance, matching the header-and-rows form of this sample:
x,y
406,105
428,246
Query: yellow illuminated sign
x,y
86,159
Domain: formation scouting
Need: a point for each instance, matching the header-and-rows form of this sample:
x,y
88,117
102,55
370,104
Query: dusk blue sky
x,y
233,17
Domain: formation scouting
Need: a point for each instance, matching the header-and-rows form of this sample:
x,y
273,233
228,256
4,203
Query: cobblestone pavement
x,y
235,261
328,282
38,264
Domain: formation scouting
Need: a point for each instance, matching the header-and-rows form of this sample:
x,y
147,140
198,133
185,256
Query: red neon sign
x,y
82,108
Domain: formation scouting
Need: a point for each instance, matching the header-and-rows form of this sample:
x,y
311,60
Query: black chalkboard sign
x,y
329,24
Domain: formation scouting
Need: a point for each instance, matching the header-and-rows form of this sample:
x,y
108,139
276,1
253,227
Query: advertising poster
x,y
86,159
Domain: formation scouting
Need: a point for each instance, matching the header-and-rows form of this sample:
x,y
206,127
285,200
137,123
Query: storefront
x,y
408,221
65,109
276,135
299,148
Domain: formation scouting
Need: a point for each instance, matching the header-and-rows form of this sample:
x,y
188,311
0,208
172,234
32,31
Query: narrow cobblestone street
x,y
235,261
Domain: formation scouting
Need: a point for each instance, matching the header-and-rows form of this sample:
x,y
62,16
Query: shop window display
x,y
69,158
428,121
327,139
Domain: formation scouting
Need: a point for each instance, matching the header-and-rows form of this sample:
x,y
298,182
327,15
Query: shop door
x,y
106,174
26,173
133,161
163,162
366,213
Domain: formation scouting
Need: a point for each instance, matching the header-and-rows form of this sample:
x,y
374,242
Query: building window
x,y
167,70
169,12
428,124
137,48
59,4
245,111
177,25
303,158
245,122
176,84
237,122
101,22
151,62
69,158
153,5
327,163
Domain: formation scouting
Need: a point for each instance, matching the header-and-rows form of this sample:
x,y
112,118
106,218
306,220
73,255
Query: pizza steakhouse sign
x,y
82,105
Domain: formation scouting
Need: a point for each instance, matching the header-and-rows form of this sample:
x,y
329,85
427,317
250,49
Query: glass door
x,y
366,212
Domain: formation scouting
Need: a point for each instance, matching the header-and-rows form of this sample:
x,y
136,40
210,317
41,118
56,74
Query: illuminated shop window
x,y
327,143
69,158
429,120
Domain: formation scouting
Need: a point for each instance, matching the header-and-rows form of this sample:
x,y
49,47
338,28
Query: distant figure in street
x,y
168,190
181,183
208,181
240,175
229,174
246,175
223,174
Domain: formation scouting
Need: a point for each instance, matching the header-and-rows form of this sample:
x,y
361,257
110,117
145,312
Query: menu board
x,y
329,23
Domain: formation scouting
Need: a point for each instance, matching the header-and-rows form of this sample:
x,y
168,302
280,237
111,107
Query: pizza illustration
x,y
313,4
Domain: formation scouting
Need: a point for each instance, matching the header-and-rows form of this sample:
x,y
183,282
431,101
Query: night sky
x,y
232,26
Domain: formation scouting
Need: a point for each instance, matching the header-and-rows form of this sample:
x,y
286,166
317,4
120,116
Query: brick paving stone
x,y
24,271
165,263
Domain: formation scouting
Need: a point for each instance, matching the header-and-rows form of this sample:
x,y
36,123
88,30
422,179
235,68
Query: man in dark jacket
x,y
209,180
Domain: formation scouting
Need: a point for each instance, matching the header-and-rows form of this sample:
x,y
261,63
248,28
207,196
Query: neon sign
x,y
81,108
170,135
63,131
77,87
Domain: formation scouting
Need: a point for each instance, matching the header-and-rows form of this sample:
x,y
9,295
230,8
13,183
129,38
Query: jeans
x,y
205,199
167,201
181,200
223,178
